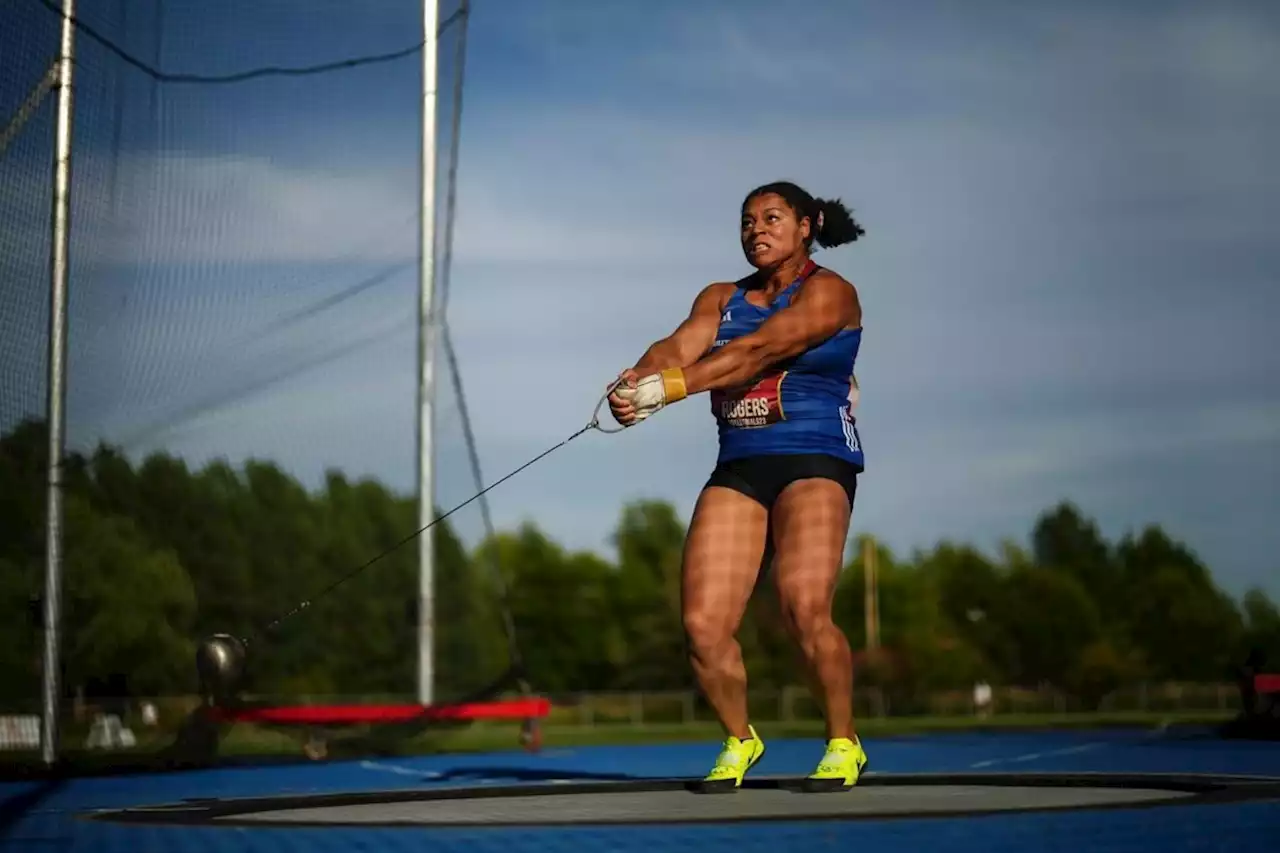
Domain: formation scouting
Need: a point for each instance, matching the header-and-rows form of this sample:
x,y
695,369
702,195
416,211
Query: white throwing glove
x,y
654,391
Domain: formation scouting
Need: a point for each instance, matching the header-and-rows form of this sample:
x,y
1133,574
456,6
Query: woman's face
x,y
771,231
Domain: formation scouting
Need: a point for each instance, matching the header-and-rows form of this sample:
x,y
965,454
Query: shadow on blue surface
x,y
15,807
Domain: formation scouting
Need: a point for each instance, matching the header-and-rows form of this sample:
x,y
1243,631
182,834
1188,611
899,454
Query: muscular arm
x,y
691,339
824,305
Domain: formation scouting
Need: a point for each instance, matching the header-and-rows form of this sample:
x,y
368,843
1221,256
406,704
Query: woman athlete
x,y
776,351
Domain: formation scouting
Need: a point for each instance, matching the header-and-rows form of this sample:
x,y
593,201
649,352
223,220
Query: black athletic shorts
x,y
763,478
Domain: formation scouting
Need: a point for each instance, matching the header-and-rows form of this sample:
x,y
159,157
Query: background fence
x,y
595,717
795,704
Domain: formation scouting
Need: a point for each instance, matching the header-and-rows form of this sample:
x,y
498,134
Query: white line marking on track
x,y
400,770
1032,756
1155,734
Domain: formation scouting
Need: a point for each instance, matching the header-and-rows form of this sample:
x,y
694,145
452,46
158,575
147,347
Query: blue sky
x,y
1068,277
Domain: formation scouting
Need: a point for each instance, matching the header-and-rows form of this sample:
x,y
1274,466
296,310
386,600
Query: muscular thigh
x,y
810,525
722,557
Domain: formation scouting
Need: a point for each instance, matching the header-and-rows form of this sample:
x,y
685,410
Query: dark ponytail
x,y
834,225
831,223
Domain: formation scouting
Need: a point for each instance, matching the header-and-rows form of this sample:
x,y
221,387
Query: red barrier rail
x,y
514,709
1269,683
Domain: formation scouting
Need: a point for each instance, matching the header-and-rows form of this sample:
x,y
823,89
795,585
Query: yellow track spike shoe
x,y
840,767
735,759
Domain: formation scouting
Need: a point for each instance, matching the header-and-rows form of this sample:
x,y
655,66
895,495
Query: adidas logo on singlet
x,y
728,315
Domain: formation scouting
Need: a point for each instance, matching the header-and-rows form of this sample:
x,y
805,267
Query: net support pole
x,y
871,592
426,354
57,391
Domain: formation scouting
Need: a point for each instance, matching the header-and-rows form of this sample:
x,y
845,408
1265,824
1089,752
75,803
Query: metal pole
x,y
871,593
426,355
57,391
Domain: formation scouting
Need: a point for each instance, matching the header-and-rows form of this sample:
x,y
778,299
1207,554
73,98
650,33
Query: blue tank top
x,y
801,405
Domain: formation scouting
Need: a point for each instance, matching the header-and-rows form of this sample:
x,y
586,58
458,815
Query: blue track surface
x,y
53,823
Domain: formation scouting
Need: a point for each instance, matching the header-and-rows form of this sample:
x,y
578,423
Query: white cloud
x,y
248,210
185,208
1037,449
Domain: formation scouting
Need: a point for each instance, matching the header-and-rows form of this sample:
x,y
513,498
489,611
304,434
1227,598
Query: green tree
x,y
470,632
561,604
1102,667
1056,622
160,553
128,608
1183,625
930,651
1262,626
644,593
1065,541
975,600
20,647
23,478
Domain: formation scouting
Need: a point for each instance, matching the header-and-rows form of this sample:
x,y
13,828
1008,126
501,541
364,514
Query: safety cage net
x,y
241,382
